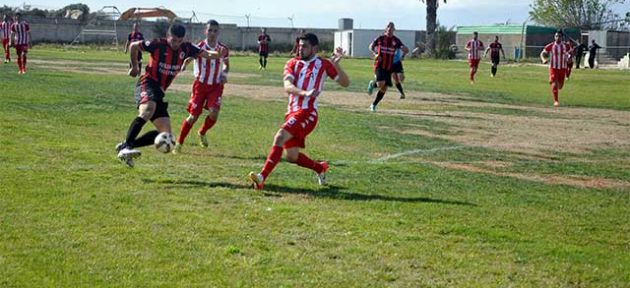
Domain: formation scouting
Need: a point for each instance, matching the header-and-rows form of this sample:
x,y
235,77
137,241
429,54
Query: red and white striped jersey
x,y
21,32
558,55
5,30
308,75
476,47
208,71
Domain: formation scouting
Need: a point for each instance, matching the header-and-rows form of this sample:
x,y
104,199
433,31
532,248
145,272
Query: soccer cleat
x,y
257,180
372,108
203,140
321,177
402,96
370,88
120,146
127,152
556,104
177,149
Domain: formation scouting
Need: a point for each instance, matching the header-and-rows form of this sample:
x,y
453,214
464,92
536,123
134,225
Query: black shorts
x,y
383,75
495,60
398,67
148,90
263,54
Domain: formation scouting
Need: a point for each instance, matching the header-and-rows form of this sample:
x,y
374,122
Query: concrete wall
x,y
356,42
617,44
238,38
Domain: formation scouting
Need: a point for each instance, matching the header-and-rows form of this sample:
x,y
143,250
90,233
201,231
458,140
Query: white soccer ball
x,y
164,142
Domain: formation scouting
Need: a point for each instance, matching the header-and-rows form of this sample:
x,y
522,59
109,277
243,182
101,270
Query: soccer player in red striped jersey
x,y
494,48
21,36
384,49
165,62
207,89
134,36
474,48
263,48
304,78
556,53
5,30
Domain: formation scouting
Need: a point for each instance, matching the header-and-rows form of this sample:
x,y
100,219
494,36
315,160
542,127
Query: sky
x,y
367,14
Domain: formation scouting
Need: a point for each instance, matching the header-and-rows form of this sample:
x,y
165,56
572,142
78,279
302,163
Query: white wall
x,y
361,39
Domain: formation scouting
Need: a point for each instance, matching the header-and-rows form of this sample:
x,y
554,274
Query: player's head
x,y
558,36
18,16
390,28
496,38
475,35
263,30
212,30
308,46
302,32
5,17
176,35
135,27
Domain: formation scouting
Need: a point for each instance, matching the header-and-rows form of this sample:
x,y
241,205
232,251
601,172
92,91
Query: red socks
x,y
304,161
272,160
207,124
554,90
183,133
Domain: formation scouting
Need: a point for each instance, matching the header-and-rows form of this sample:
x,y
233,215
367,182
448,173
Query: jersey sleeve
x,y
331,71
375,43
548,47
399,43
28,27
191,50
149,46
289,72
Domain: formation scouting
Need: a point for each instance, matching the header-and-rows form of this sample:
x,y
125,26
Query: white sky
x,y
372,14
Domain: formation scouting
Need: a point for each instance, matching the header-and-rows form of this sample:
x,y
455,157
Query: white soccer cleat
x,y
321,177
127,155
372,108
257,180
203,140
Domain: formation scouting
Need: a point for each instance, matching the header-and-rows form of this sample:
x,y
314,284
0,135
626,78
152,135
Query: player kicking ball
x,y
167,57
304,78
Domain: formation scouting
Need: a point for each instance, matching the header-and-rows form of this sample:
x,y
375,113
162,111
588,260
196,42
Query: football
x,y
164,142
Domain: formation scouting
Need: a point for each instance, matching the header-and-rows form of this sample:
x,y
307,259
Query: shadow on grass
x,y
330,191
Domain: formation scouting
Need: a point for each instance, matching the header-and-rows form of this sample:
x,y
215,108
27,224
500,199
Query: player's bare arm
x,y
226,70
134,50
126,47
374,53
186,62
211,54
543,57
342,77
289,88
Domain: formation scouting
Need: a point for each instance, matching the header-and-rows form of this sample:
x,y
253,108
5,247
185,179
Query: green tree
x,y
583,14
432,6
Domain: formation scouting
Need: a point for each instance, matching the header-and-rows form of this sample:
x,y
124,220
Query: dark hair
x,y
18,14
560,32
177,30
213,22
475,33
310,38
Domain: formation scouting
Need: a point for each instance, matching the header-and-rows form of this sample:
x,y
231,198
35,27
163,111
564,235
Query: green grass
x,y
71,215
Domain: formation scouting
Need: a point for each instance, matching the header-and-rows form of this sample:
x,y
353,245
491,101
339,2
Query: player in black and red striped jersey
x,y
134,36
384,48
263,48
494,48
167,57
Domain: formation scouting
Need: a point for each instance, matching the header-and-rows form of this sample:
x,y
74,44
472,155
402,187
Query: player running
x,y
304,78
495,58
398,72
556,53
384,48
5,30
570,56
134,36
21,36
263,48
474,48
207,89
167,57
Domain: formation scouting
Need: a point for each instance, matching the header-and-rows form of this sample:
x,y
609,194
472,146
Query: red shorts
x,y
473,63
21,48
557,75
299,124
204,97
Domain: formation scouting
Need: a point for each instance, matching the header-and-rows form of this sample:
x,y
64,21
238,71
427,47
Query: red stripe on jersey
x,y
307,76
21,32
5,28
475,46
208,71
558,55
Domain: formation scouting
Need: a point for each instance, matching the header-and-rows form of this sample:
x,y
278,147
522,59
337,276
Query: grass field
x,y
456,186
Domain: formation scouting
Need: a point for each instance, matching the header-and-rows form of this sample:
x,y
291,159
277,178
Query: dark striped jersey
x,y
263,43
386,47
495,48
166,63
